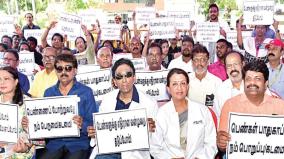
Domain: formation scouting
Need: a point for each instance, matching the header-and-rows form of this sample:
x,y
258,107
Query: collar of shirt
x,y
278,68
75,86
121,105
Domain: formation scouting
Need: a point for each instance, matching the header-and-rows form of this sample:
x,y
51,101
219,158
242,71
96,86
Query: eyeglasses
x,y
202,60
51,58
67,68
8,60
231,65
126,75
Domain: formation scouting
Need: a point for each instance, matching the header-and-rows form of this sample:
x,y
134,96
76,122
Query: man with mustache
x,y
276,72
135,48
254,100
47,77
184,61
218,68
234,62
154,58
203,84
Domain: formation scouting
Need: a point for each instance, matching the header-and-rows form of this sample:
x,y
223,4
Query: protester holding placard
x,y
30,25
11,93
47,77
185,128
126,97
7,40
254,46
85,53
154,58
184,61
33,44
135,47
57,40
72,148
254,100
11,58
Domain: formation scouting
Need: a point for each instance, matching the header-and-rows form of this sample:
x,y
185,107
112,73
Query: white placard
x,y
8,123
89,16
110,32
208,31
7,25
258,12
69,25
153,83
87,68
27,62
255,136
52,117
121,131
145,14
162,28
122,55
139,63
99,81
37,33
182,19
232,37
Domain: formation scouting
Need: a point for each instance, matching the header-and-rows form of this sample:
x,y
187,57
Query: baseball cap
x,y
275,42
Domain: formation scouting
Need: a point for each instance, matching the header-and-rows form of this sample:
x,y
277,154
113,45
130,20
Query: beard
x,y
186,53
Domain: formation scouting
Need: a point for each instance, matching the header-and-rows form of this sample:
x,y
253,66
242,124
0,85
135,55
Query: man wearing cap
x,y
276,70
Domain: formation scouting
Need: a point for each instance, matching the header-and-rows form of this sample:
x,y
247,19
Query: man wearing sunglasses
x,y
71,148
126,97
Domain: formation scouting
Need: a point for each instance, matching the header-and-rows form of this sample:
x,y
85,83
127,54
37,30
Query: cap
x,y
275,42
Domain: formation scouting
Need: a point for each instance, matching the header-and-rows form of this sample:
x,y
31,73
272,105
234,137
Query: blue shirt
x,y
276,80
24,83
268,34
86,107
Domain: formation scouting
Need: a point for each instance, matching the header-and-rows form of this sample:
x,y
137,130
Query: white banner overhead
x,y
69,25
162,28
258,12
145,14
207,31
111,32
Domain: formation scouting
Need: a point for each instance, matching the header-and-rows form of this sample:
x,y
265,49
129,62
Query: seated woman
x,y
11,93
184,129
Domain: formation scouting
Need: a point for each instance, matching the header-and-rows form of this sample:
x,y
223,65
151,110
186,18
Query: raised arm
x,y
45,34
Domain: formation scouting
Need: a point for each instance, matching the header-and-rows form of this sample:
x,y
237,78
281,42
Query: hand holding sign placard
x,y
121,131
52,117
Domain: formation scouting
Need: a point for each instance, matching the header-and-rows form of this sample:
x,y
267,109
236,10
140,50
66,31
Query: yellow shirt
x,y
41,82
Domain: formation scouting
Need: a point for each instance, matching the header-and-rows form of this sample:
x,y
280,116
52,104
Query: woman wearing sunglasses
x,y
184,129
11,93
126,97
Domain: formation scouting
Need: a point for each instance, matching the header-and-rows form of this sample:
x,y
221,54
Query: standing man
x,y
47,77
218,68
184,61
254,100
71,148
29,23
276,70
203,84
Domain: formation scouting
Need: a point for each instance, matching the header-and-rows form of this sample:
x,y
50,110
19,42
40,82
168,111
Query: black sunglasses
x,y
67,68
120,76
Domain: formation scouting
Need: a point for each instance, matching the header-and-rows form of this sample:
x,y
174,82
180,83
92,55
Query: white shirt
x,y
179,63
201,134
224,92
198,90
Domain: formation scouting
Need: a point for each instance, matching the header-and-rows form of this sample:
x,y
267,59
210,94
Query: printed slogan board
x,y
256,136
121,131
8,123
52,117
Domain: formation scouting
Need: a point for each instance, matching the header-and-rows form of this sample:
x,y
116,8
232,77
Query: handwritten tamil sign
x,y
99,81
153,83
69,25
27,62
52,117
8,123
121,131
7,25
110,32
232,37
162,28
145,14
139,63
258,12
182,19
208,31
255,136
